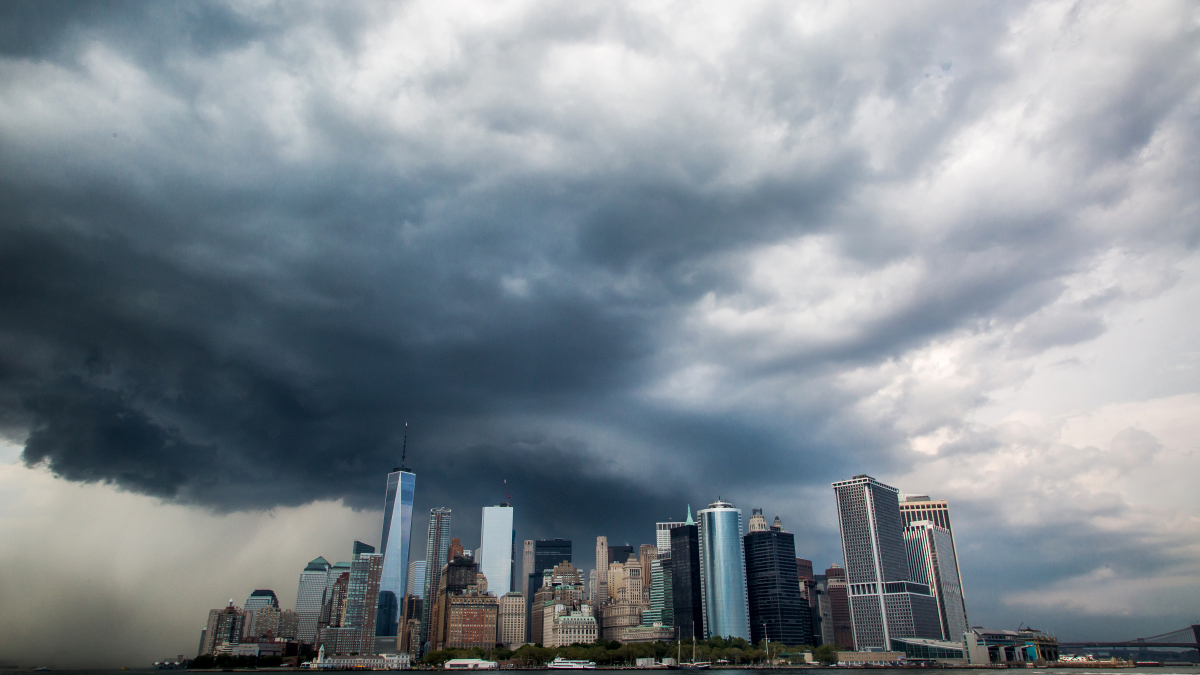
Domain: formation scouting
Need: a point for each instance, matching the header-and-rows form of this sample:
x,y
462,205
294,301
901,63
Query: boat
x,y
694,665
559,663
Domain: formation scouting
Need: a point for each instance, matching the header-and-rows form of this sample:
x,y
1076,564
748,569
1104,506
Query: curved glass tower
x,y
397,524
723,572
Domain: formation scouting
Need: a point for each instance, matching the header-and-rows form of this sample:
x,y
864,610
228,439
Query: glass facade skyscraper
x,y
394,546
497,548
687,608
437,549
777,610
723,571
885,602
932,562
415,584
310,597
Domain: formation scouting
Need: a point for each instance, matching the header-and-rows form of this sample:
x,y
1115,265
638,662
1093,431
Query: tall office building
x,y
260,603
497,547
337,572
526,565
777,610
662,535
362,598
510,626
360,548
458,576
549,552
647,554
414,584
602,561
723,575
885,602
723,571
310,597
546,555
932,562
456,550
261,598
688,607
920,507
224,626
839,606
662,609
394,546
619,553
437,550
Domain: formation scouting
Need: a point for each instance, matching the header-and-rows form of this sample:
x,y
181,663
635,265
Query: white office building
x,y
497,548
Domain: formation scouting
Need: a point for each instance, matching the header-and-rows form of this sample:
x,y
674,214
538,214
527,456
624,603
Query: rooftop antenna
x,y
507,496
404,450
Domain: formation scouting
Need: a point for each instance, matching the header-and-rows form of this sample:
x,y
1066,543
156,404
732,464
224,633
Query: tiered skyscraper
x,y
394,545
885,600
723,572
933,560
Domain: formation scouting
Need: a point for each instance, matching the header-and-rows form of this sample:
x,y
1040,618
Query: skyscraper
x,y
526,565
360,548
839,606
602,561
932,562
510,626
920,507
547,553
496,549
437,548
261,598
777,610
884,600
362,598
415,583
688,606
662,535
394,546
310,597
723,571
260,602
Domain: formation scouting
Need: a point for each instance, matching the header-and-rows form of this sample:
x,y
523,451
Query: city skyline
x,y
628,257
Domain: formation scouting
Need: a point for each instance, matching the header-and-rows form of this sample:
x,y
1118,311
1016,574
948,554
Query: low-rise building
x,y
924,649
869,658
986,645
470,664
647,634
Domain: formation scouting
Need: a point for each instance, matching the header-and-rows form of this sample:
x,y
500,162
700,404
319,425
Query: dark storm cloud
x,y
241,247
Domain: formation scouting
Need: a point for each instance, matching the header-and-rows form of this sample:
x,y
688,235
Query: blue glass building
x,y
723,571
394,545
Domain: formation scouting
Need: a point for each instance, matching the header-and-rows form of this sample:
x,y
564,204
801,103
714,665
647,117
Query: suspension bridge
x,y
1184,638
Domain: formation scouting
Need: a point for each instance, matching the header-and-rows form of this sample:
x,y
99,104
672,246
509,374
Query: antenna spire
x,y
404,450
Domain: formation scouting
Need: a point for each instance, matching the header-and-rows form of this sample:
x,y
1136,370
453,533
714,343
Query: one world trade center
x,y
397,523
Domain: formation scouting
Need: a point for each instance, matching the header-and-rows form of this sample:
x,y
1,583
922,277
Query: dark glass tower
x,y
685,580
618,554
549,552
546,554
773,590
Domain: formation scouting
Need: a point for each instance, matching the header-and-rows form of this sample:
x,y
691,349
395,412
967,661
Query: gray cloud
x,y
240,247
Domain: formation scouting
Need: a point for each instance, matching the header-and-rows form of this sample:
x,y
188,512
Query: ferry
x,y
559,663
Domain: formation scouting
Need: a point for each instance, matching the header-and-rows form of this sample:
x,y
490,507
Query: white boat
x,y
559,663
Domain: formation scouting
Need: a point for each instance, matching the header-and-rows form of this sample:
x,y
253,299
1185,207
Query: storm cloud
x,y
642,254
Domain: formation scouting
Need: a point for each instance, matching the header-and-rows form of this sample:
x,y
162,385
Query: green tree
x,y
826,654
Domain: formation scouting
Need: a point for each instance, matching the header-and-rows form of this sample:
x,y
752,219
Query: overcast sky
x,y
628,257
